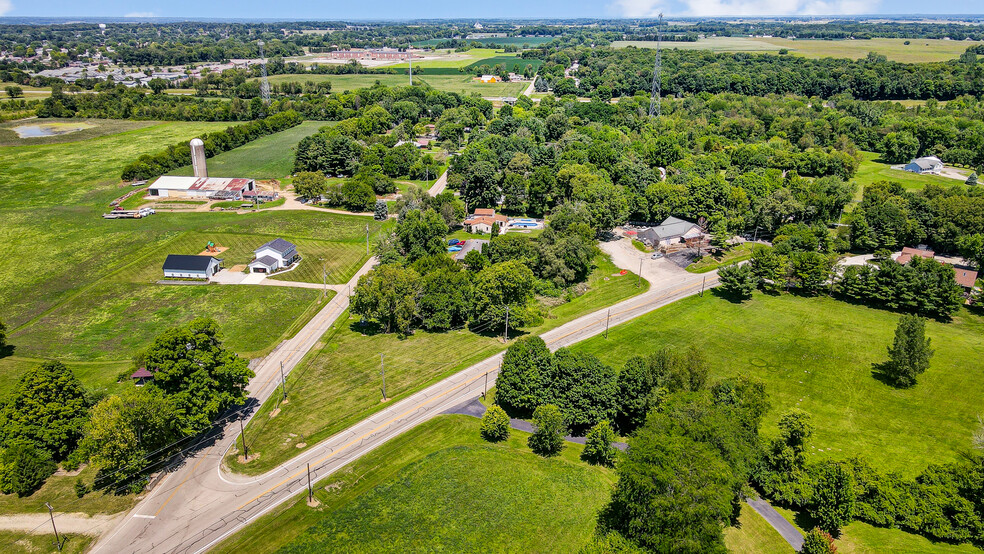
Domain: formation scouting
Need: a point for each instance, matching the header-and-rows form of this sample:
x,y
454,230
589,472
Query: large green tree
x,y
910,353
549,429
310,184
738,281
388,295
833,497
582,387
194,369
505,288
421,233
524,364
47,409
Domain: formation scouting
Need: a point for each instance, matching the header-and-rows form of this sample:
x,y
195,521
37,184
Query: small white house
x,y
178,266
928,165
272,256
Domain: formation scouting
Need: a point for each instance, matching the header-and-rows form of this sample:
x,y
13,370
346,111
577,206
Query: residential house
x,y
179,266
908,253
273,256
966,278
673,231
482,220
930,165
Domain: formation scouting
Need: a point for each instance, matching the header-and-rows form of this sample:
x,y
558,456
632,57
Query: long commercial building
x,y
222,188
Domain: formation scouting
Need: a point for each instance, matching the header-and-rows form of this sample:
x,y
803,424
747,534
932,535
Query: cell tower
x,y
264,84
410,59
654,103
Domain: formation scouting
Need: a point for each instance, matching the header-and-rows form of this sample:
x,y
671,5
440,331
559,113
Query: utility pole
x,y
410,61
507,323
608,322
283,380
52,516
324,279
639,283
486,389
382,371
702,286
310,491
242,434
367,239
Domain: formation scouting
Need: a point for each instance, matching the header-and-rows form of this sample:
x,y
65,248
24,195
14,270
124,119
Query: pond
x,y
49,129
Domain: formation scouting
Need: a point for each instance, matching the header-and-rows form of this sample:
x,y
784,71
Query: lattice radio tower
x,y
264,84
654,102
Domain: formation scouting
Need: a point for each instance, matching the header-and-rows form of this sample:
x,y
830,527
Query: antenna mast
x,y
410,59
654,102
265,84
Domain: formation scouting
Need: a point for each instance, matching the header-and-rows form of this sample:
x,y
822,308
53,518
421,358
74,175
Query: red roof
x,y
484,211
908,253
965,277
141,373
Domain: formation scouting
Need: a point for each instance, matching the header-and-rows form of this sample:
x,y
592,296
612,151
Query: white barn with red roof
x,y
221,188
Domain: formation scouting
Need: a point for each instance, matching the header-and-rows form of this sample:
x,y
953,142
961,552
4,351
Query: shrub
x,y
818,541
548,438
738,281
495,424
381,212
598,448
81,489
833,497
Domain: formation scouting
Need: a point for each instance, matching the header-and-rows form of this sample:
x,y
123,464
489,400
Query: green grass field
x,y
83,287
99,128
873,170
919,50
817,354
269,157
862,538
707,263
338,384
754,535
439,487
518,41
463,83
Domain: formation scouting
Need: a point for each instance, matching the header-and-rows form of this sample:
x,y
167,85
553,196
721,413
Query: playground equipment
x,y
211,247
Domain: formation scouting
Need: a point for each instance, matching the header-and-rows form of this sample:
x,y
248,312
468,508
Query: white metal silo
x,y
198,157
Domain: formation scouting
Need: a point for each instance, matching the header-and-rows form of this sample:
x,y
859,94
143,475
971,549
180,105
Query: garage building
x,y
221,188
179,266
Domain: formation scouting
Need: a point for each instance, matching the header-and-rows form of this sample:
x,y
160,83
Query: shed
x,y
141,375
179,266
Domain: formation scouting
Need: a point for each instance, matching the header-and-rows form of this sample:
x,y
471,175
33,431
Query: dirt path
x,y
67,523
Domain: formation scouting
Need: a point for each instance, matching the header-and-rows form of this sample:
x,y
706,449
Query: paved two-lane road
x,y
200,505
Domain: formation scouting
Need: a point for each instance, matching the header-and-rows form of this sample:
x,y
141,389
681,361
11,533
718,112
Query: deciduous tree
x,y
495,424
549,429
47,409
388,295
598,448
524,366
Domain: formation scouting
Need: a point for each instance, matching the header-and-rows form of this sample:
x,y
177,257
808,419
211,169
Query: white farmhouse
x,y
272,256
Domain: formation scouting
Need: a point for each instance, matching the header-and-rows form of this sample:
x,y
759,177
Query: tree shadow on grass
x,y
7,350
367,328
717,293
882,372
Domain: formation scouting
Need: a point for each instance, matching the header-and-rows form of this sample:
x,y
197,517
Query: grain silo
x,y
198,157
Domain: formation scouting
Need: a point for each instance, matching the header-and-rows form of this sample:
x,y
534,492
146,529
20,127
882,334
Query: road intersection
x,y
200,504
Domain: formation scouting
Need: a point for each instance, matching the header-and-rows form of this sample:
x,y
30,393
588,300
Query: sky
x,y
438,9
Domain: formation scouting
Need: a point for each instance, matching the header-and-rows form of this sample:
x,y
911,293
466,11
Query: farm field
x,y
338,384
99,127
463,83
817,354
83,288
919,50
440,487
269,157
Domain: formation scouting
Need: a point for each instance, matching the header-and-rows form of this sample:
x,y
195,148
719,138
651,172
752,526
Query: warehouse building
x,y
219,188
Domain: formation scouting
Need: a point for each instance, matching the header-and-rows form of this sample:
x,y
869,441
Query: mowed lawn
x,y
872,170
441,488
463,83
341,83
754,535
817,354
339,384
467,83
269,157
917,51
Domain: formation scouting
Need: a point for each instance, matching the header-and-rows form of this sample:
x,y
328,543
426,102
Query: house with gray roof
x,y
179,266
672,231
927,165
273,256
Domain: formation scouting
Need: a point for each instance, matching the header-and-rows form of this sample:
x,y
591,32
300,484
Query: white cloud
x,y
704,8
5,7
135,14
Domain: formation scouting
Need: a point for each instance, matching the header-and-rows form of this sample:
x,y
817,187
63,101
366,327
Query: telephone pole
x,y
283,380
410,61
639,282
608,322
52,516
702,286
310,490
382,371
242,434
507,323
367,239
